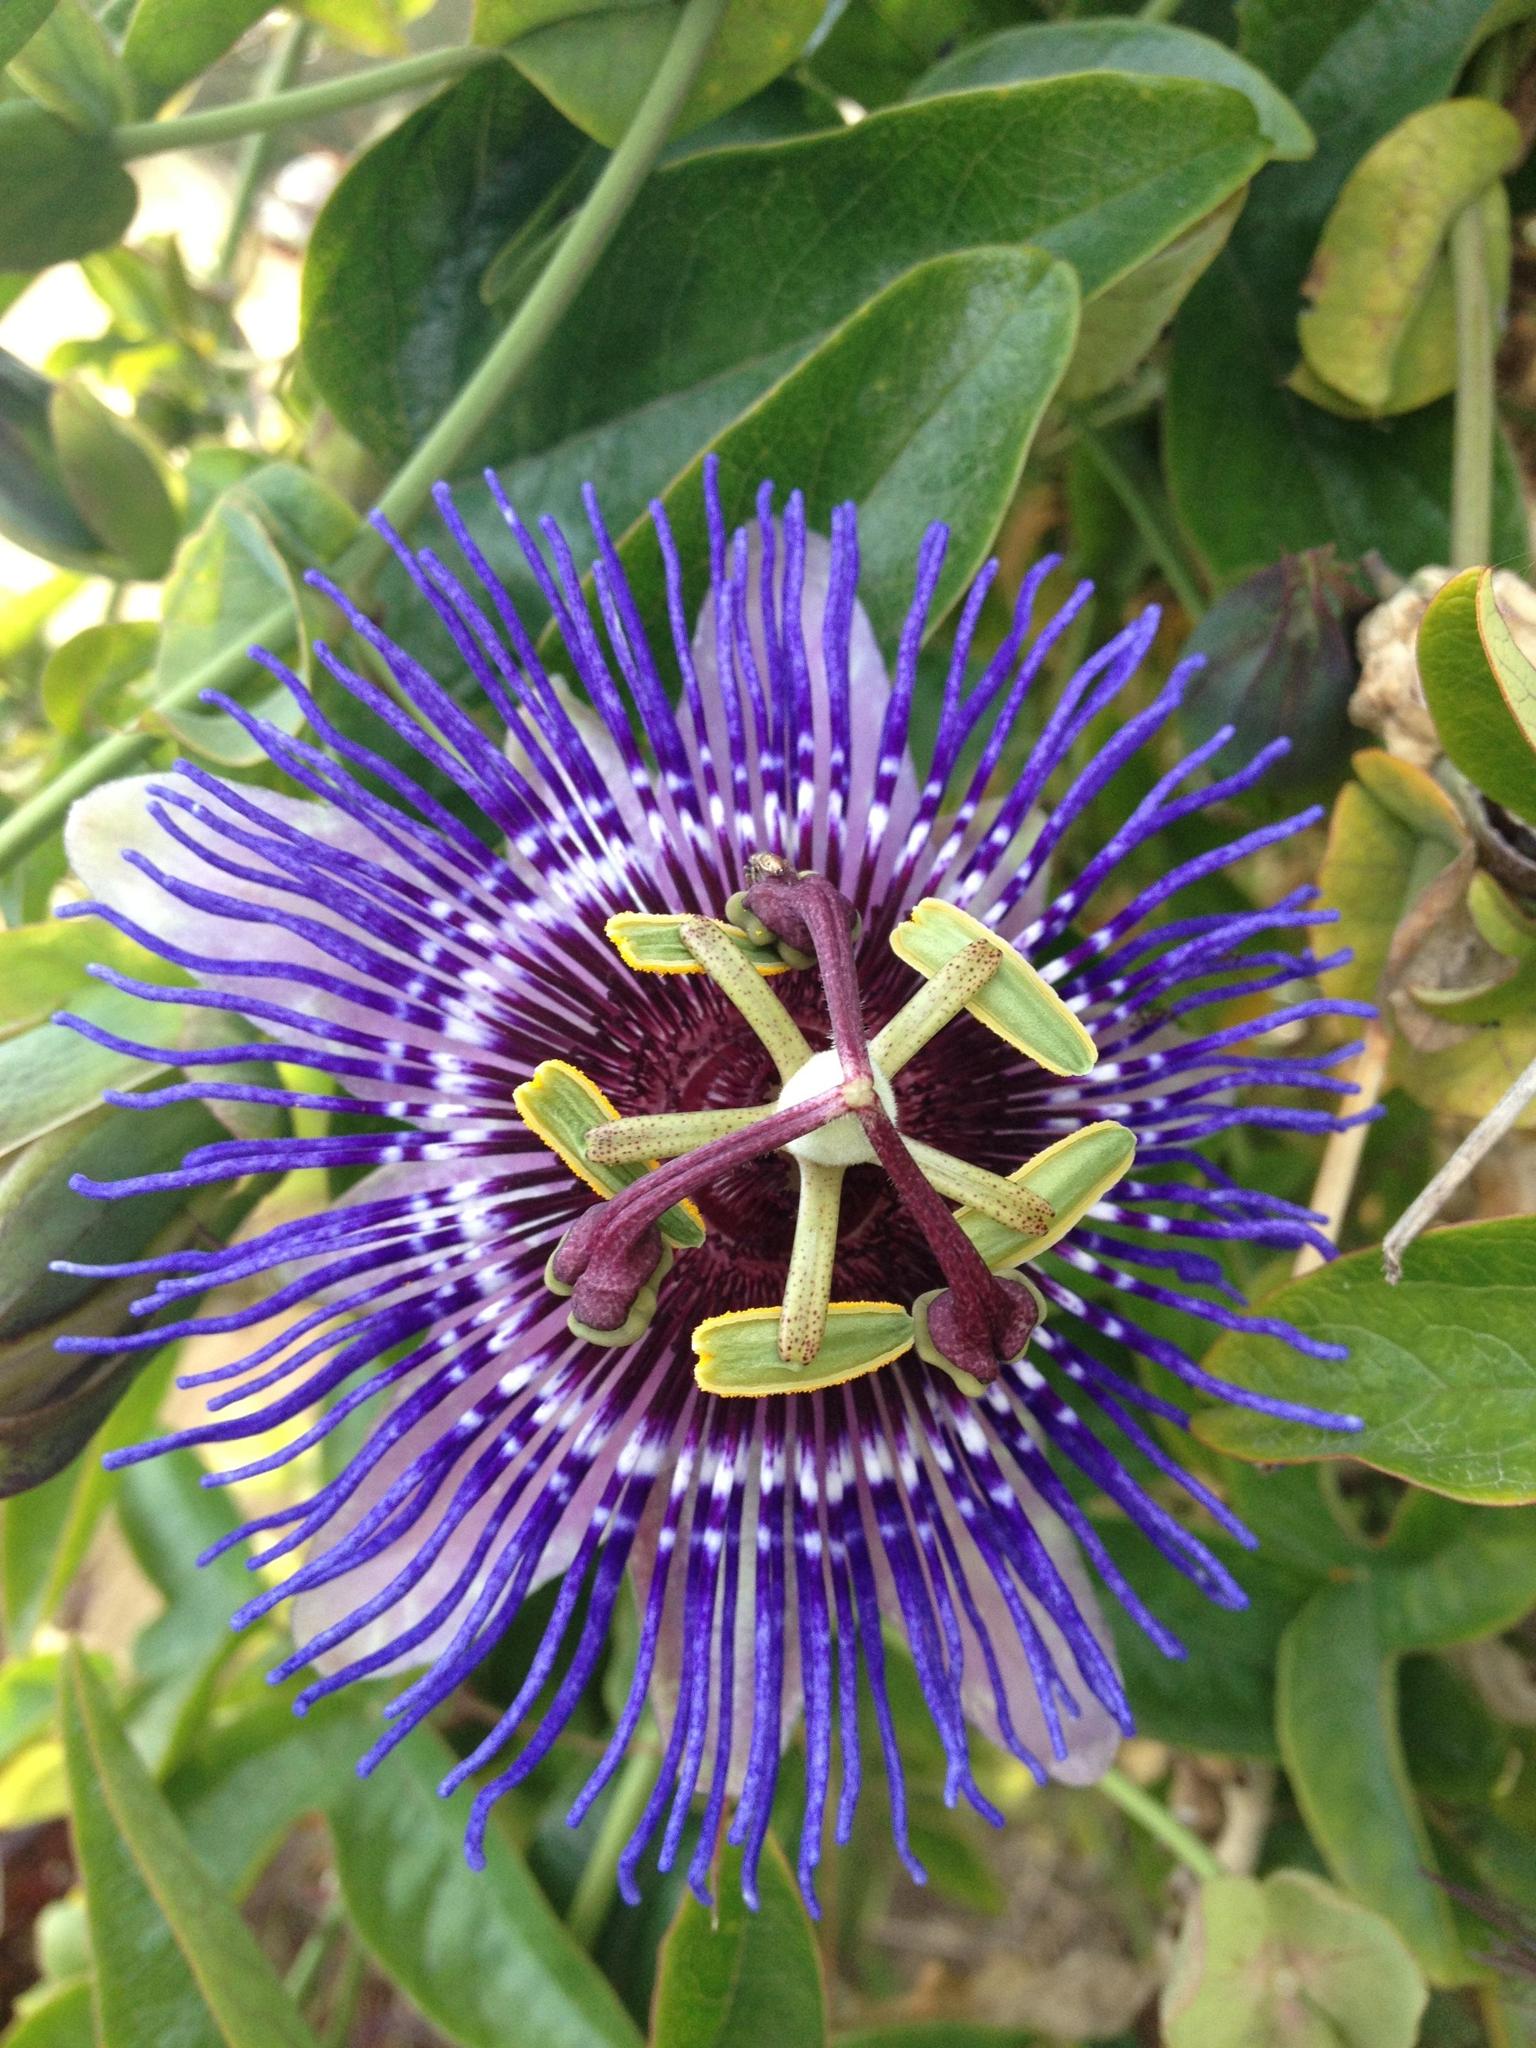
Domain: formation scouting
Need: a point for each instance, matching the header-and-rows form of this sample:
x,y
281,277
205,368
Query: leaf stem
x,y
305,103
1469,1154
1162,543
595,1887
1472,445
280,70
530,327
1158,10
1151,1814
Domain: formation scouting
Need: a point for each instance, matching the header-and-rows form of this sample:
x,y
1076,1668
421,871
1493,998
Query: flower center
x,y
841,1142
835,1109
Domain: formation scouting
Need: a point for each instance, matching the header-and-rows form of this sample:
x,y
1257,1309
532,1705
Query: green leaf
x,y
171,42
19,22
1452,1574
42,966
175,1963
62,191
747,259
252,1775
470,1949
920,407
1149,48
1442,1367
1336,1716
87,686
1481,690
1287,1962
1255,471
117,480
935,2034
594,61
71,67
36,511
1384,246
1221,1696
728,1975
392,318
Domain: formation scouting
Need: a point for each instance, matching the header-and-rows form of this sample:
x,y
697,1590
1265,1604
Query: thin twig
x,y
1341,1156
1474,1147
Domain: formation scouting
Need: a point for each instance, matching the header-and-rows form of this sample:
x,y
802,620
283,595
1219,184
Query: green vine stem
x,y
1151,1814
305,103
278,73
1472,448
530,327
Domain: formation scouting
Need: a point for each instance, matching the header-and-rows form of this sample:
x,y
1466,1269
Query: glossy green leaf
x,y
174,1961
43,967
1442,1367
471,1949
171,42
62,191
1288,1962
921,407
1336,1716
58,2019
593,59
728,1975
1385,241
392,317
738,1352
1155,49
19,21
747,259
1450,1574
117,481
1482,690
71,67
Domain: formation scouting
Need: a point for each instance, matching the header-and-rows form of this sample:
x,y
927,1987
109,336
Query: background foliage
x,y
1206,297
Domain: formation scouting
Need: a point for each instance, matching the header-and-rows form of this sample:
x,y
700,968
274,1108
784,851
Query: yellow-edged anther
x,y
1071,1176
738,1353
651,943
1015,1002
560,1105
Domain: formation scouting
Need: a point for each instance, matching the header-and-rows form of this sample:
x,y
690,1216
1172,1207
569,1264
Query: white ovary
x,y
841,1142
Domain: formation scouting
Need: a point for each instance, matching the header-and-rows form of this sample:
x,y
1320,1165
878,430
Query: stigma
x,y
836,1108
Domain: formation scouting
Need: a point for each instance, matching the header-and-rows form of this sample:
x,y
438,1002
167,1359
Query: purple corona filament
x,y
736,1091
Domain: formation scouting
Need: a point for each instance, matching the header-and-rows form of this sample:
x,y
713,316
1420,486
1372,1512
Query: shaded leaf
x,y
62,2019
1336,1715
468,1948
117,481
1442,1367
85,685
71,67
36,510
62,191
19,21
595,61
174,1962
1287,1962
729,1974
171,42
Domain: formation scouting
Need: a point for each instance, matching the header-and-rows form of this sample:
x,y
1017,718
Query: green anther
x,y
1071,1176
669,1136
808,1284
1008,1202
1016,1002
724,963
937,1003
